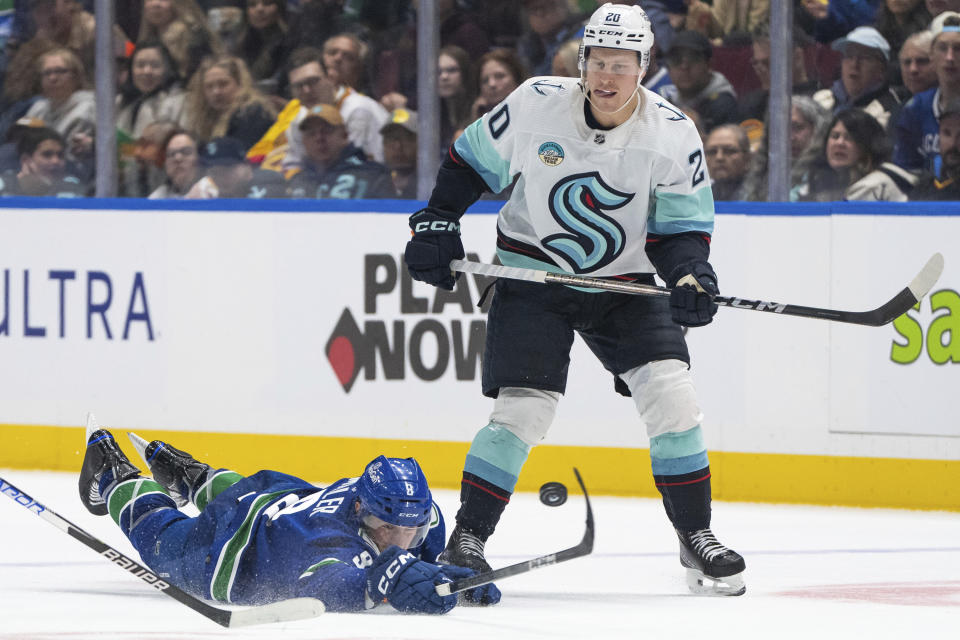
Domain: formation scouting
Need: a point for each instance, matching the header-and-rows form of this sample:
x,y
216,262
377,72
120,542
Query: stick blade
x,y
283,611
927,277
92,425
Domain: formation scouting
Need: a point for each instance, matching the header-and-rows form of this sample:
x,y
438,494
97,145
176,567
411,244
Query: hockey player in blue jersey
x,y
609,179
354,545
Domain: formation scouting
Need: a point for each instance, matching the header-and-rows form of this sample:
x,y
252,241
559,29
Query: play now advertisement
x,y
303,322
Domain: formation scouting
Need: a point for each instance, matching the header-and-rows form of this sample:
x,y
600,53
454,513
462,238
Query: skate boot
x,y
103,460
176,470
464,549
712,569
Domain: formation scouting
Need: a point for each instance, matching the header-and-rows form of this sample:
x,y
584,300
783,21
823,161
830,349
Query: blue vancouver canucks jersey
x,y
272,536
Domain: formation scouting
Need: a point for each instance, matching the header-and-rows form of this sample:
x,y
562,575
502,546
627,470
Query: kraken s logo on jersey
x,y
578,203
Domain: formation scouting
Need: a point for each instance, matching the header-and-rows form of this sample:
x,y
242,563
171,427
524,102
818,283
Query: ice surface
x,y
812,572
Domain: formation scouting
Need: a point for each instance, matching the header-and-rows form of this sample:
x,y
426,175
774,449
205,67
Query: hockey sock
x,y
129,502
215,483
681,472
489,477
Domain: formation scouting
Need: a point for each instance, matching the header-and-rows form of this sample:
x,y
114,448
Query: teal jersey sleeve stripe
x,y
475,147
682,212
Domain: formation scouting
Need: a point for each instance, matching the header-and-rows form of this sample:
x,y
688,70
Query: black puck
x,y
553,494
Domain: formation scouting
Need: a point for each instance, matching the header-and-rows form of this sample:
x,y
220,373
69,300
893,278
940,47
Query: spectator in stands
x,y
837,18
400,152
944,185
499,72
898,19
333,166
726,18
142,172
21,82
343,59
309,86
808,123
152,91
551,23
66,23
863,77
66,105
917,128
566,60
317,21
695,86
262,44
226,21
180,164
455,86
916,67
227,174
42,167
754,104
182,27
728,156
222,102
854,146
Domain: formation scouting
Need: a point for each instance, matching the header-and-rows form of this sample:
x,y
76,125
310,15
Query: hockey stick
x,y
884,314
284,611
584,547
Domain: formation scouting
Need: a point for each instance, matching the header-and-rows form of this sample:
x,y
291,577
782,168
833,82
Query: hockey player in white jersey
x,y
610,180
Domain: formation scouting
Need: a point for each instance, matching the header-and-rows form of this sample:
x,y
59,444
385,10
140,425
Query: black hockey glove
x,y
407,583
436,241
691,298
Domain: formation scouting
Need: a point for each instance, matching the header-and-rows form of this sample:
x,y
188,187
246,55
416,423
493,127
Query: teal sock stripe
x,y
497,456
678,453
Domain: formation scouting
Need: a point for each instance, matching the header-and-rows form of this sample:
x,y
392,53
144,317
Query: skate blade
x,y
92,425
139,444
703,585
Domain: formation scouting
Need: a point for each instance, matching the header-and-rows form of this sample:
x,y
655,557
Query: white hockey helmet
x,y
618,26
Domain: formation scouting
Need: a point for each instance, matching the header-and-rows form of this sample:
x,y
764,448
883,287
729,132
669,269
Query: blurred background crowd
x,y
318,98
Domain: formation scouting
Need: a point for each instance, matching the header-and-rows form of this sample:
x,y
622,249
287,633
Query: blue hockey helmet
x,y
395,503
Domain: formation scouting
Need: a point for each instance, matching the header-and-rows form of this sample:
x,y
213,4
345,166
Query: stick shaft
x,y
882,315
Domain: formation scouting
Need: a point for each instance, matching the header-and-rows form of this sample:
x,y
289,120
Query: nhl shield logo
x,y
550,154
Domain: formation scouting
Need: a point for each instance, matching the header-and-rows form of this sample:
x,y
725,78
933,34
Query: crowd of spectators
x,y
317,98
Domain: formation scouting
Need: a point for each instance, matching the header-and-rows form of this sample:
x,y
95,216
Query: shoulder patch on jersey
x,y
550,154
546,87
676,114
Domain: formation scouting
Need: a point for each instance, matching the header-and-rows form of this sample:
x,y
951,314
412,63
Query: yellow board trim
x,y
752,477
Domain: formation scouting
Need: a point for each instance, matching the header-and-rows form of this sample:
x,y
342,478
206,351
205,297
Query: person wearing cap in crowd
x,y
917,130
863,77
42,170
944,185
400,152
695,85
334,167
227,174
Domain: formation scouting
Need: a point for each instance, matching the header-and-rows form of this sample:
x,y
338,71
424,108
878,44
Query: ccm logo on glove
x,y
384,585
437,225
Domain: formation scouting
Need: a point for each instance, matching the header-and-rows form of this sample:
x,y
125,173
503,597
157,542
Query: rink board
x,y
294,339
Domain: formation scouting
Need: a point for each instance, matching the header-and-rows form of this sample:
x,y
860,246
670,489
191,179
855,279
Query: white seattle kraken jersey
x,y
586,197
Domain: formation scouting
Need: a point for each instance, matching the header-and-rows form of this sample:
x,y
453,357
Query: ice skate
x,y
103,456
712,569
176,470
464,549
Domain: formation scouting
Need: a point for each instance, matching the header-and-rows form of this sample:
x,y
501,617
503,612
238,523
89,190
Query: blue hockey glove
x,y
407,583
436,241
691,298
484,595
